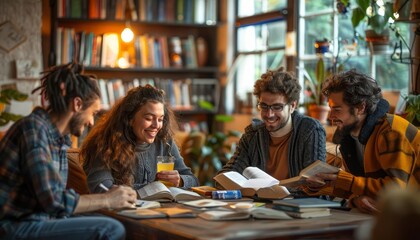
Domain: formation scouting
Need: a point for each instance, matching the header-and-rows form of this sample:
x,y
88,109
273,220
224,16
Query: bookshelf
x,y
164,31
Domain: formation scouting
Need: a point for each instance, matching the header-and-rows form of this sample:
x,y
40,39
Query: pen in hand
x,y
101,185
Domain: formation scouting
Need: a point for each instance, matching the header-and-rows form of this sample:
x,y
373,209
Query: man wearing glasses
x,y
284,141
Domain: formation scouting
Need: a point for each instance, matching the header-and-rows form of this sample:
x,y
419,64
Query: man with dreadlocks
x,y
34,201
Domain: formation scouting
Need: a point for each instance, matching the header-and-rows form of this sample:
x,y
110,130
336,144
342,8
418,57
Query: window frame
x,y
285,14
303,57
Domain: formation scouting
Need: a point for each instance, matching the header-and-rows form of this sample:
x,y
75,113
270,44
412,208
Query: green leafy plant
x,y
216,151
214,154
6,95
375,16
314,85
412,109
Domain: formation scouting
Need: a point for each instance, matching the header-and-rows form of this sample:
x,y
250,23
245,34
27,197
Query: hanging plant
x,y
343,6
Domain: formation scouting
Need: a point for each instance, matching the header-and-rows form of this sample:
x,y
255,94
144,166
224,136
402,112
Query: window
x,y
260,45
319,20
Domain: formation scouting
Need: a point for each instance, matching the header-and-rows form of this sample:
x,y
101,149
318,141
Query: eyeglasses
x,y
275,107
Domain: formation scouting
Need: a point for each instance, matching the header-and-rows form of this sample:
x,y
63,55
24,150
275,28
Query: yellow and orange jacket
x,y
391,156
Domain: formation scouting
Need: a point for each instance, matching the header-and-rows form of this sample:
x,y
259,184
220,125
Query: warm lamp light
x,y
123,63
127,35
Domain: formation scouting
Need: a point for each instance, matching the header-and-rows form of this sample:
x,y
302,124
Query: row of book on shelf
x,y
193,126
181,94
183,11
102,50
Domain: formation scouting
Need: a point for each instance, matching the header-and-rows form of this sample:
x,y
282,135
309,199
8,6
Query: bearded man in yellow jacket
x,y
379,149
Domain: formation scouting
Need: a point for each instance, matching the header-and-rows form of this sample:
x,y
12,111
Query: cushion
x,y
76,178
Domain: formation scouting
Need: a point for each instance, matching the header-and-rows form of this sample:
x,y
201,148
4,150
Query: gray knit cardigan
x,y
307,144
145,168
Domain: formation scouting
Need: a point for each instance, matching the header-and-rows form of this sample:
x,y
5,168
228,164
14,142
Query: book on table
x,y
147,204
256,212
305,207
310,214
204,203
304,204
253,181
141,213
205,191
172,212
310,171
157,191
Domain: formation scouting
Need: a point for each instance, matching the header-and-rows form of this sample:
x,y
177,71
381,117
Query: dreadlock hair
x,y
357,88
112,139
278,81
61,84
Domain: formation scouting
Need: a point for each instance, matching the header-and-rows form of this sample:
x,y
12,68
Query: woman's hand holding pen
x,y
120,197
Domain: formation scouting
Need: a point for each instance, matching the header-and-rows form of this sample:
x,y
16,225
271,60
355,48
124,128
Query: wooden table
x,y
340,225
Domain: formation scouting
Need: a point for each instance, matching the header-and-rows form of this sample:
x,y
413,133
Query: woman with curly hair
x,y
122,148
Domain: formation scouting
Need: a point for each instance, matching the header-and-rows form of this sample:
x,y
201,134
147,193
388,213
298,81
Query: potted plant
x,y
374,17
316,104
215,153
208,158
412,109
6,95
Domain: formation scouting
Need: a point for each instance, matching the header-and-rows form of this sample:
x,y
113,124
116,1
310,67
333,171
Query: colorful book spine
x,y
227,194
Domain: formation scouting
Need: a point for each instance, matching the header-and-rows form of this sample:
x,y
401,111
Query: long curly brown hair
x,y
112,139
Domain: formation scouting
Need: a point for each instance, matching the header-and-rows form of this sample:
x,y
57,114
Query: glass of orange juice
x,y
165,163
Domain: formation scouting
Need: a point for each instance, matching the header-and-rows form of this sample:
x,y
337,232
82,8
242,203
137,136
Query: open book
x,y
253,181
147,204
257,213
311,170
157,191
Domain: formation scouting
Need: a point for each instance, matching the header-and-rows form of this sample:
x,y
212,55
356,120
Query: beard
x,y
339,134
76,125
274,128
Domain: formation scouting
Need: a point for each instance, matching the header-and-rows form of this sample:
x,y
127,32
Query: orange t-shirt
x,y
277,165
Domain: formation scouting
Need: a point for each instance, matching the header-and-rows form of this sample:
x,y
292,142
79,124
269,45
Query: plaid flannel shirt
x,y
33,171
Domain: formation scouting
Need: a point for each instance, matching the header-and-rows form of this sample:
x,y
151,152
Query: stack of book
x,y
305,207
